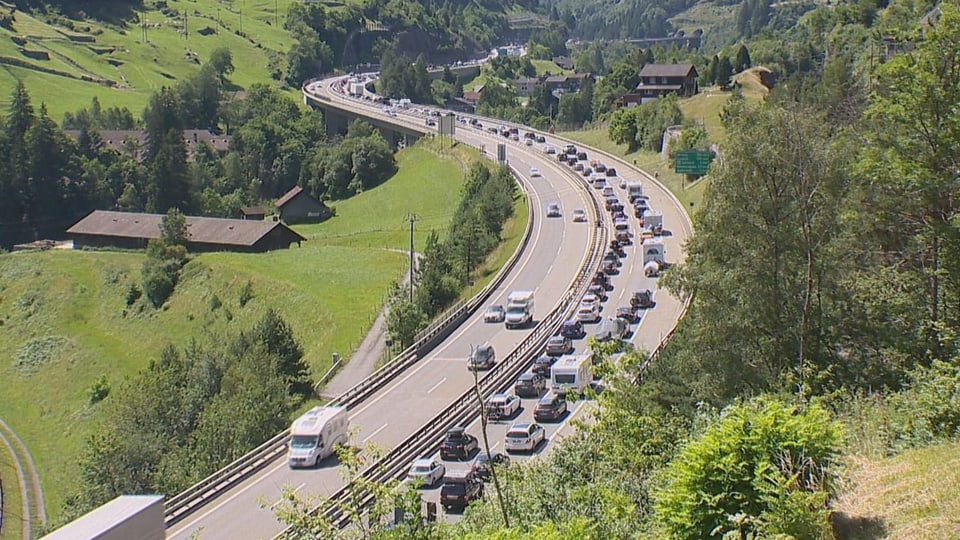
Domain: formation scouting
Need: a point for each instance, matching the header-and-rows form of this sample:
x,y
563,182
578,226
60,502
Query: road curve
x,y
555,254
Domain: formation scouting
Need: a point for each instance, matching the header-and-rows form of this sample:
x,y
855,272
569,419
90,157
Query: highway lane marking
x,y
278,501
213,510
434,387
536,232
381,428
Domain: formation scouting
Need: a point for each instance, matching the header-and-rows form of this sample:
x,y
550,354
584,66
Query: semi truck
x,y
572,374
519,309
314,435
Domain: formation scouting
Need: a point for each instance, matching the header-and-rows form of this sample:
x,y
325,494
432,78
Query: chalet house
x,y
253,212
564,84
298,206
527,85
657,80
131,230
133,143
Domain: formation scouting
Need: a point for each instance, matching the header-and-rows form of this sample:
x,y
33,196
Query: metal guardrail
x,y
184,503
465,409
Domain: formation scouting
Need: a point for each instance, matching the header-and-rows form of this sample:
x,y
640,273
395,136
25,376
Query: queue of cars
x,y
459,487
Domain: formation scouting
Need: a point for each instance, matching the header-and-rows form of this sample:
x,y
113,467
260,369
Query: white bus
x,y
314,435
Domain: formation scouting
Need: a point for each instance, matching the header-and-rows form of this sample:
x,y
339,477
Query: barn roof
x,y
200,230
288,196
666,70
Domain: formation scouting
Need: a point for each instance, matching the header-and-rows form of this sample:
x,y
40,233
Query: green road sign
x,y
691,161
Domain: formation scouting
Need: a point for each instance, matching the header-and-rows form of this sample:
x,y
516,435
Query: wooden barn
x,y
298,206
132,230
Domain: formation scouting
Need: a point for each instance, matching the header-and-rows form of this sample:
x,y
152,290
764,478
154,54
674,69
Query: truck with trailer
x,y
572,374
519,309
653,258
314,435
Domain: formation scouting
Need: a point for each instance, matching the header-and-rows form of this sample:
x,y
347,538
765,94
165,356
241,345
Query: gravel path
x,y
28,480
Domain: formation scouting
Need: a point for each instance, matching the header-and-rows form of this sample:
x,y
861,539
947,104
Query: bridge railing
x,y
181,505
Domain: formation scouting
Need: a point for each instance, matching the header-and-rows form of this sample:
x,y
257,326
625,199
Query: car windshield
x,y
516,434
421,469
304,441
516,309
563,379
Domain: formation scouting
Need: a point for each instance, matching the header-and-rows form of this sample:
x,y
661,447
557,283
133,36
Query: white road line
x,y
296,489
434,387
381,428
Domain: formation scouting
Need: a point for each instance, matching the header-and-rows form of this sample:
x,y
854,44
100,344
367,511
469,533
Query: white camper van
x,y
572,374
314,435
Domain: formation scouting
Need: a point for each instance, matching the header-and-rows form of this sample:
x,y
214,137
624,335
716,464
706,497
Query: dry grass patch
x,y
914,495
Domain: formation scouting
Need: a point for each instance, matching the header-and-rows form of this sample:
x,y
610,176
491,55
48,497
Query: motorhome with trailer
x,y
314,435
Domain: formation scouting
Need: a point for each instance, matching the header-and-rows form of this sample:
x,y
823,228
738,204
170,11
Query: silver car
x,y
524,437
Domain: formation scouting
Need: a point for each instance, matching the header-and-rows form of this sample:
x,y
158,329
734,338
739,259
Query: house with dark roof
x,y
253,212
658,80
133,143
132,230
298,206
564,62
562,84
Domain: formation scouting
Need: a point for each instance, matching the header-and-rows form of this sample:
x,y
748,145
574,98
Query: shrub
x,y
159,280
99,391
246,294
758,470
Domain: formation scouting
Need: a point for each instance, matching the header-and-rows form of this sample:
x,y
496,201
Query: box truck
x,y
572,374
634,191
519,309
314,435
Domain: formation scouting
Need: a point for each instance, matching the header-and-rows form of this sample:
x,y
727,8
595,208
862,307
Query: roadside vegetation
x,y
811,390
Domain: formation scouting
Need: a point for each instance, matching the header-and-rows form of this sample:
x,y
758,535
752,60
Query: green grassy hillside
x,y
65,322
128,67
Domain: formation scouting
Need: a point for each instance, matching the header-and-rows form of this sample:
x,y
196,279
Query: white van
x,y
314,435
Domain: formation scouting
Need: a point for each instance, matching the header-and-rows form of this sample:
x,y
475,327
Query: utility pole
x,y
412,217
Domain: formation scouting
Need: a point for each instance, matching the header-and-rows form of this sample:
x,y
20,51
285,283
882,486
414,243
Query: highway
x,y
555,254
